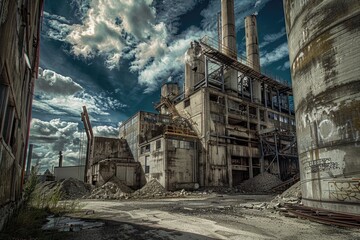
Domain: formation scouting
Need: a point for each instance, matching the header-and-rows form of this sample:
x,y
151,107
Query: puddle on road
x,y
66,224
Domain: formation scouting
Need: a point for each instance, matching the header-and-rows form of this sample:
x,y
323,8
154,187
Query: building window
x,y
158,144
187,103
145,149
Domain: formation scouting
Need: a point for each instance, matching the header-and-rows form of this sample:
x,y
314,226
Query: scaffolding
x,y
279,147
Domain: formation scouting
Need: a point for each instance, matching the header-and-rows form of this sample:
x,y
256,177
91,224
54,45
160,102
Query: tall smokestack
x,y
60,159
228,28
252,52
28,164
229,42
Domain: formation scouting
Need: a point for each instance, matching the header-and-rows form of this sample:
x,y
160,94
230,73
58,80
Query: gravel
x,y
263,182
112,189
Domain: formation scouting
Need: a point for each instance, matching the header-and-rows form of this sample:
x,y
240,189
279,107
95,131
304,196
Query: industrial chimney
x,y
60,159
252,52
229,42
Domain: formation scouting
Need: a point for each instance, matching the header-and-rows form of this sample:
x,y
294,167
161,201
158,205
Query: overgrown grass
x,y
27,223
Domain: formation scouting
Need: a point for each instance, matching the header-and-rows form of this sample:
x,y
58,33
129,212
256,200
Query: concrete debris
x,y
291,196
151,189
69,189
112,189
261,183
73,188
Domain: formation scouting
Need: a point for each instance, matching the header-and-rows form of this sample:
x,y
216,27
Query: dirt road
x,y
211,217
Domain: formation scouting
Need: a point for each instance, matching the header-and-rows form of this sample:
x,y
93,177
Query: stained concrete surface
x,y
210,217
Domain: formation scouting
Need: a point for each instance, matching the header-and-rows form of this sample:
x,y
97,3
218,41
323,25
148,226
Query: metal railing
x,y
214,43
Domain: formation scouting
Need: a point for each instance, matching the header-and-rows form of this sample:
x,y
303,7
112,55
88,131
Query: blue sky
x,y
112,56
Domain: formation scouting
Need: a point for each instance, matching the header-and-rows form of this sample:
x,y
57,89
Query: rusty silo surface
x,y
324,48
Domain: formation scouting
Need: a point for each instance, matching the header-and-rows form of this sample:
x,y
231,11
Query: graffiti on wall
x,y
320,165
345,191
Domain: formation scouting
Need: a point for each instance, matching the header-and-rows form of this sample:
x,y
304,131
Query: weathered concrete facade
x,y
227,127
166,148
112,157
19,58
324,52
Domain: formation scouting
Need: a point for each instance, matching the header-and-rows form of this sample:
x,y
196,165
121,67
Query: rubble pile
x,y
291,196
69,189
73,188
112,189
151,189
263,182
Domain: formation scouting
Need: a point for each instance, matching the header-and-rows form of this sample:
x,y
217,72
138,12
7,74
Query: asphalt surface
x,y
207,217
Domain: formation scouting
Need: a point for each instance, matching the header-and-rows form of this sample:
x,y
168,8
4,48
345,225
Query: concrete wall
x,y
154,160
107,148
324,54
128,172
16,85
76,172
173,164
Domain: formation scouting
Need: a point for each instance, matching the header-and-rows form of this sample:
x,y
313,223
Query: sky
x,y
113,56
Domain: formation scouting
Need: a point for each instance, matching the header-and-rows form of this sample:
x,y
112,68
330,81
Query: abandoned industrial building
x,y
227,141
229,124
19,61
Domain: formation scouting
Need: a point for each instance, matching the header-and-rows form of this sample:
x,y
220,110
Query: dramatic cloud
x,y
50,137
277,54
106,131
55,84
145,32
243,8
57,94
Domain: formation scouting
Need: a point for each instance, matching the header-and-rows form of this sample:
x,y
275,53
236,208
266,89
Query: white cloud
x,y
52,83
277,54
270,38
284,67
106,131
171,63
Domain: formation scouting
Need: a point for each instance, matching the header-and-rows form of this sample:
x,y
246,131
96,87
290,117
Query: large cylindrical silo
x,y
324,50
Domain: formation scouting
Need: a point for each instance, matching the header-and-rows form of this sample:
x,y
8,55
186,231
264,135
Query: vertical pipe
x,y
265,95
28,164
206,72
251,89
278,100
